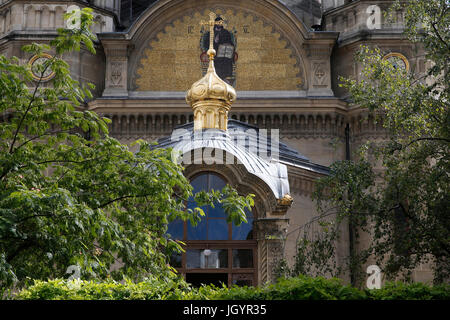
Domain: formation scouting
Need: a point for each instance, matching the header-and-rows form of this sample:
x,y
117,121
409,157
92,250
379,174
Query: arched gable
x,y
273,53
166,41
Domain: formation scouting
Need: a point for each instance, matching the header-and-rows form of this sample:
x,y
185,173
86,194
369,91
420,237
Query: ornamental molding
x,y
244,182
36,59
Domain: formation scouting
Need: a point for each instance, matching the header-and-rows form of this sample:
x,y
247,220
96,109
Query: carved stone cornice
x,y
251,105
317,49
296,118
290,125
301,181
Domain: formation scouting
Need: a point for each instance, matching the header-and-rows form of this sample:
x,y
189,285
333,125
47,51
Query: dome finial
x,y
211,97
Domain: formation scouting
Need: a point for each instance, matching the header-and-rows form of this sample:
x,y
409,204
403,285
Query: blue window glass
x,y
215,182
217,211
213,226
245,230
209,229
191,203
175,229
217,229
197,232
200,183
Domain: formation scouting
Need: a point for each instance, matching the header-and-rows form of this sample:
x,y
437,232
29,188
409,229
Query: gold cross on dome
x,y
212,16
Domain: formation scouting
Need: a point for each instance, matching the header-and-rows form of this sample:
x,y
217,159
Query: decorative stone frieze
x,y
291,125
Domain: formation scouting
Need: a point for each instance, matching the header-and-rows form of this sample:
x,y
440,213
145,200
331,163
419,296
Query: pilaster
x,y
319,55
271,236
117,53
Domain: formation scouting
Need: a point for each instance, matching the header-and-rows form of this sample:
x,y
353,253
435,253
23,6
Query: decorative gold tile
x,y
171,61
248,56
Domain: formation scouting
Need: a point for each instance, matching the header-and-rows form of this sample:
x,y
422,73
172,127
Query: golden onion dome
x,y
211,86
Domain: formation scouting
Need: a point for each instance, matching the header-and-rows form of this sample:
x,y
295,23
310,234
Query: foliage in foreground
x,y
173,288
71,195
402,208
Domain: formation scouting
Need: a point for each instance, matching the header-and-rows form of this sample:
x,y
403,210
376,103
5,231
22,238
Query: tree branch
x,y
425,139
28,109
40,136
433,24
121,198
27,244
63,161
34,216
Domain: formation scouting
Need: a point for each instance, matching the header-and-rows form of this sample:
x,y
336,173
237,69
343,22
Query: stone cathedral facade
x,y
282,57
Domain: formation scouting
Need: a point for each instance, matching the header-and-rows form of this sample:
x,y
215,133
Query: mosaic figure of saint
x,y
225,46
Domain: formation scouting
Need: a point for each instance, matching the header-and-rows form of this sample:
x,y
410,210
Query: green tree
x,y
405,207
72,195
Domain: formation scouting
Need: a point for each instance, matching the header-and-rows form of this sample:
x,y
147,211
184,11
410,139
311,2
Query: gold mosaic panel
x,y
172,60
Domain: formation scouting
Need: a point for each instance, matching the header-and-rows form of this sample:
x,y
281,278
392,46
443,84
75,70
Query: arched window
x,y
213,226
216,251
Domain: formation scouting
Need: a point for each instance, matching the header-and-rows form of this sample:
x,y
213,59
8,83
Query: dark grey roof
x,y
253,147
236,128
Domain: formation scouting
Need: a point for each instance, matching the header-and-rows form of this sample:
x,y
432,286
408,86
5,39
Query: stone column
x,y
16,17
37,22
116,82
271,236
